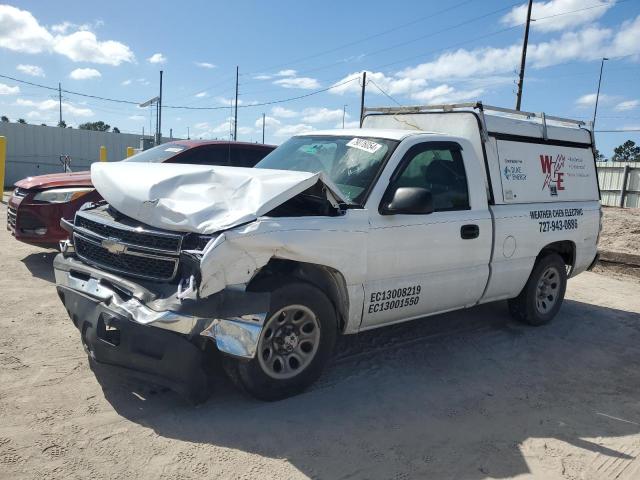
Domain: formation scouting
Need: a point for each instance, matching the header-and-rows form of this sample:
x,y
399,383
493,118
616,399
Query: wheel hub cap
x,y
289,341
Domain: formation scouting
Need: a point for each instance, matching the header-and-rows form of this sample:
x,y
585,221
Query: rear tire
x,y
295,344
542,296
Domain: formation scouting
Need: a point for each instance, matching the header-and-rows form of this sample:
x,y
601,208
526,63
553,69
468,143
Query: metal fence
x,y
619,183
36,150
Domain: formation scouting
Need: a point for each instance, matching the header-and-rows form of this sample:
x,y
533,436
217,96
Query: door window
x,y
439,169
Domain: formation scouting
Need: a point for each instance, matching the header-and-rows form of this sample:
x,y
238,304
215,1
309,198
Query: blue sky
x,y
418,52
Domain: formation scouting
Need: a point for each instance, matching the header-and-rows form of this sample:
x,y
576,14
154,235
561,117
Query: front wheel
x,y
543,293
295,344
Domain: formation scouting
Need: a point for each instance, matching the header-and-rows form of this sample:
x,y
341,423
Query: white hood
x,y
201,199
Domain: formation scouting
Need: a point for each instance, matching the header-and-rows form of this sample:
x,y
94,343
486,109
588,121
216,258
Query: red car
x,y
38,203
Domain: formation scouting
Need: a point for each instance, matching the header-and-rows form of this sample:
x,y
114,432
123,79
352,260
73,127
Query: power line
x,y
362,40
385,93
261,104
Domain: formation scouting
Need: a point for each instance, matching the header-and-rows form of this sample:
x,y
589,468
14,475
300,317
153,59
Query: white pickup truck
x,y
423,210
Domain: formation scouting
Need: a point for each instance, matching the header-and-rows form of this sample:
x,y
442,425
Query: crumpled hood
x,y
198,198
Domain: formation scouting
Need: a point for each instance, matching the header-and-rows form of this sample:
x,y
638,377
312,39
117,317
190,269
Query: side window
x,y
439,169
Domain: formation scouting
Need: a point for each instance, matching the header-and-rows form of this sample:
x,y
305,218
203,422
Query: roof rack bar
x,y
470,105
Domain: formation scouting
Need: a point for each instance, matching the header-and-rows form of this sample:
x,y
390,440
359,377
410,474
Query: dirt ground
x,y
621,230
467,395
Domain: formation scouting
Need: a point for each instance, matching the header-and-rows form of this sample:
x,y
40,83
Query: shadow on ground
x,y
40,264
454,396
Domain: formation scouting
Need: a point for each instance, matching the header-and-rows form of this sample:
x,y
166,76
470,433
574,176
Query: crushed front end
x,y
133,293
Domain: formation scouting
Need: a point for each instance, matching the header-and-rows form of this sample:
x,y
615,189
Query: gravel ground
x,y
466,395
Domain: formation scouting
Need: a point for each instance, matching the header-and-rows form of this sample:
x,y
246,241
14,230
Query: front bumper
x,y
128,325
159,356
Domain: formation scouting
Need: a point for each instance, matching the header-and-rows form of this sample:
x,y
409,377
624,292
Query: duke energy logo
x,y
554,176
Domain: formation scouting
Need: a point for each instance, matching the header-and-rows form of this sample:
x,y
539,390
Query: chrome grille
x,y
11,218
128,249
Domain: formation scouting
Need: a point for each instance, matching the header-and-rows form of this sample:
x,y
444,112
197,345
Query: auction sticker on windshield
x,y
366,145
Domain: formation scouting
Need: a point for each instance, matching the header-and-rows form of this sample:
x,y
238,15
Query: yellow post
x,y
3,160
103,153
130,152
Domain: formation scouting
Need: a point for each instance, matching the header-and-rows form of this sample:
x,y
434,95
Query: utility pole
x,y
344,113
60,103
188,135
159,116
235,116
263,128
364,83
523,61
595,110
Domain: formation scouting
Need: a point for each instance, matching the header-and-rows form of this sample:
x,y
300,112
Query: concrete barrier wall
x,y
619,183
35,150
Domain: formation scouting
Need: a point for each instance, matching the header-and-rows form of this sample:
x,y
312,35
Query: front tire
x,y
542,296
296,342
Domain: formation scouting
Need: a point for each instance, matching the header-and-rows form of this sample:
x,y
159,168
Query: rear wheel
x,y
542,296
295,344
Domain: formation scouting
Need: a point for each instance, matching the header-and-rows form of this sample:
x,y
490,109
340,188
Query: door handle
x,y
468,232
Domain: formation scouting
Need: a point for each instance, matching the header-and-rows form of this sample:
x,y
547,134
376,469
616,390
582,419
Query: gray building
x,y
36,150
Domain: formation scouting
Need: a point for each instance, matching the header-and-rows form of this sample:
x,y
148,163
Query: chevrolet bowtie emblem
x,y
113,245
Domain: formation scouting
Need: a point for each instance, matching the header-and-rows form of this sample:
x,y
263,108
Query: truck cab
x,y
335,232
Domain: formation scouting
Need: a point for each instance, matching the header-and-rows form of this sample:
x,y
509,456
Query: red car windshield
x,y
158,154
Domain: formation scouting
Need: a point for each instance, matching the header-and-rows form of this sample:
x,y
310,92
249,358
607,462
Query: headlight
x,y
61,195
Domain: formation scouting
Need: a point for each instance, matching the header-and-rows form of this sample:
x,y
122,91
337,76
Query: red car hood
x,y
74,179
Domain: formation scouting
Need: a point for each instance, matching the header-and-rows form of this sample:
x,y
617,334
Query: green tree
x,y
599,156
115,130
4,118
62,124
627,152
99,126
22,121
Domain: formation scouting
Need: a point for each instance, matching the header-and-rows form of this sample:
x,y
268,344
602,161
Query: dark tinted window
x,y
439,170
204,155
246,157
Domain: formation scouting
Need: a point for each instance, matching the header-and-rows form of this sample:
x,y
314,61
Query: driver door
x,y
421,264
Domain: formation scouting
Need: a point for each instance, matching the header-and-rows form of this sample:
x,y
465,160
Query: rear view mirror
x,y
408,201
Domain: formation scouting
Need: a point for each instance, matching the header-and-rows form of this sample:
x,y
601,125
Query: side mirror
x,y
408,201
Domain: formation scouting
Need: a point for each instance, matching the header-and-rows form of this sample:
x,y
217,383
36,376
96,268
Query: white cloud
x,y
349,124
20,31
398,84
627,105
589,100
282,112
290,130
32,70
286,73
263,77
49,105
557,10
124,83
84,74
205,65
322,115
591,43
445,94
304,83
269,122
84,46
202,95
157,58
8,90
138,118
